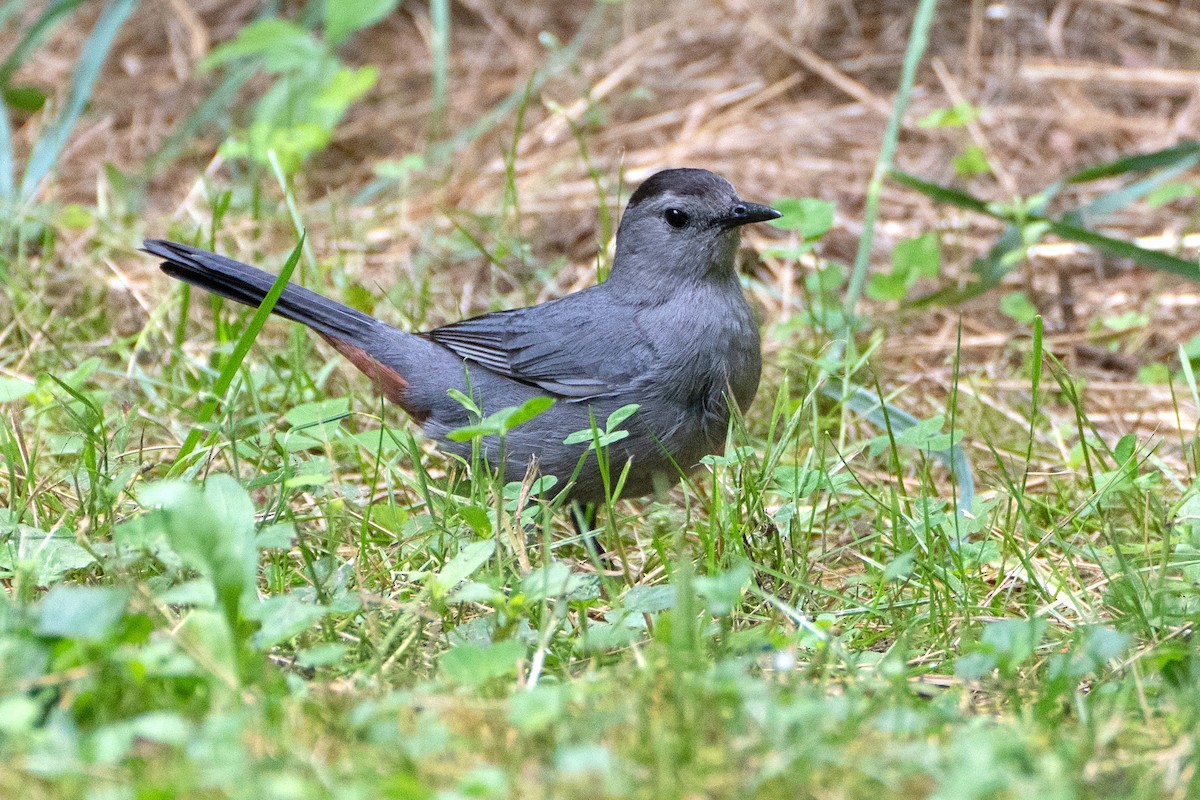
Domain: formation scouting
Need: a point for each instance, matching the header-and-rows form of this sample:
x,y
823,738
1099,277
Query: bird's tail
x,y
249,285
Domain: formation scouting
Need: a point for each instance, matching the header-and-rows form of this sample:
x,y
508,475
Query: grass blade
x,y
231,367
1151,259
95,51
1132,192
439,45
1138,163
34,35
942,194
918,39
7,161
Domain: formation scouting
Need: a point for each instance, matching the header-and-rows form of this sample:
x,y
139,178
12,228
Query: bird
x,y
669,331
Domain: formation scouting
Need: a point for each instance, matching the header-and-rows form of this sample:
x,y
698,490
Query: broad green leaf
x,y
1128,321
468,432
472,592
971,161
318,412
601,637
279,536
1018,307
649,599
735,456
610,435
956,116
213,530
807,215
81,612
722,592
919,257
463,400
470,558
47,556
527,411
198,593
477,518
344,87
537,710
579,437
887,286
620,415
284,617
27,99
321,655
400,169
797,482
1014,640
556,581
281,44
502,421
15,389
472,665
208,638
1154,374
1126,446
345,17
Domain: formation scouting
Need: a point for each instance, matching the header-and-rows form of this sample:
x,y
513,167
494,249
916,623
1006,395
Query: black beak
x,y
745,213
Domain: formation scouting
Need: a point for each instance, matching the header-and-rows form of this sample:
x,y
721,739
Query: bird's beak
x,y
745,213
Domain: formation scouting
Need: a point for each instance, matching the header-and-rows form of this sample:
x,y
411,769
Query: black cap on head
x,y
682,183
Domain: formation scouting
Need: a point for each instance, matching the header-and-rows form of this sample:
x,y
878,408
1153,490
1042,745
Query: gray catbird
x,y
670,330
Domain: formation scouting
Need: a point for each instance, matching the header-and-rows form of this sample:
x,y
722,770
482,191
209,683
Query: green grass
x,y
341,619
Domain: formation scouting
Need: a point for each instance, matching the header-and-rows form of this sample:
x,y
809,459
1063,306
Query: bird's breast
x,y
707,349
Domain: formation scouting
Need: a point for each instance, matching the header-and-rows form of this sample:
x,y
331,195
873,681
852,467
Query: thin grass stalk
x,y
293,209
918,40
229,371
439,46
95,52
1035,387
7,163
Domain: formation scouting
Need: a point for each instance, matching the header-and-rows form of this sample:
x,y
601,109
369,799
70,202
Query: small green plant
x,y
972,159
312,88
808,219
1018,307
912,259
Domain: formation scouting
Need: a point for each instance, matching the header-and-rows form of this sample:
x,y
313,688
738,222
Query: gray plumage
x,y
669,330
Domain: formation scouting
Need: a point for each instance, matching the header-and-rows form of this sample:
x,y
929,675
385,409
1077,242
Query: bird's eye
x,y
675,218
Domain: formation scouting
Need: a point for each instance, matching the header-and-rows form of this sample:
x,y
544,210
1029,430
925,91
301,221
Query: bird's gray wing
x,y
565,348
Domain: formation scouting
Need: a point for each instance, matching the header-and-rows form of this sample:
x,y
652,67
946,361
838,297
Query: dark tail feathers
x,y
249,285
